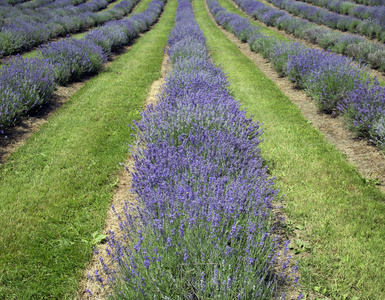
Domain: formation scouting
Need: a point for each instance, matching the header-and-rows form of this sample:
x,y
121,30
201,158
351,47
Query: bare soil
x,y
121,195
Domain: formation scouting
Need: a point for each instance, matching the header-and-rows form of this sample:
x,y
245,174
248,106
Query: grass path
x,y
339,213
55,190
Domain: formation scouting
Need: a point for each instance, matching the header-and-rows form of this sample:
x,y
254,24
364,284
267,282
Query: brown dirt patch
x,y
121,195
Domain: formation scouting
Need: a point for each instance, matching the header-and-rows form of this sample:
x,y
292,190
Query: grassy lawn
x,y
341,215
55,190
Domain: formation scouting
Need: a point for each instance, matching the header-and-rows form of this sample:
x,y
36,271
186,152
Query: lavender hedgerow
x,y
325,76
202,229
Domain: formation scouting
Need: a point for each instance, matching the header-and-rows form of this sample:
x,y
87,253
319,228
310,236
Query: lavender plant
x,y
327,78
334,82
25,84
202,229
112,35
364,110
282,53
71,58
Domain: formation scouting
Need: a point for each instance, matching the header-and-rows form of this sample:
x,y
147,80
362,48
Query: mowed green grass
x,y
55,190
340,214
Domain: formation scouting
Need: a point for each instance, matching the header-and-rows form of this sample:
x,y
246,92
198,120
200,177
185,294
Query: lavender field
x,y
236,194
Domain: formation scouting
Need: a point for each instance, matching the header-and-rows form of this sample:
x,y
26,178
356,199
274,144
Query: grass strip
x,y
55,190
111,5
263,29
340,213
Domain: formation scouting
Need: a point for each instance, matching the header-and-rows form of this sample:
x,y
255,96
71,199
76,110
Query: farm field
x,y
242,191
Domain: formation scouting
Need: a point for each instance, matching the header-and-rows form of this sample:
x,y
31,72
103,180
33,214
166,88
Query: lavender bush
x,y
202,229
326,77
25,84
71,58
282,53
364,110
112,36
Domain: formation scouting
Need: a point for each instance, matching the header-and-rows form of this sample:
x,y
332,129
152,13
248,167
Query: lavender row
x,y
25,84
13,2
335,83
348,8
49,3
202,228
350,45
20,4
369,2
43,10
370,28
8,8
10,3
32,30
